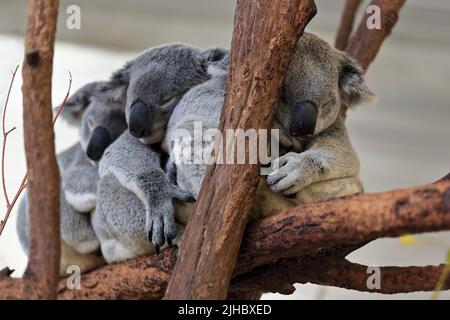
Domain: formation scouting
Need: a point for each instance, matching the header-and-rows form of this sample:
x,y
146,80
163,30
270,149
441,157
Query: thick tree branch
x,y
346,24
346,221
265,33
41,276
300,235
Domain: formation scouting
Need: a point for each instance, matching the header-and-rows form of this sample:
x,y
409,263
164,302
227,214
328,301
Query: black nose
x,y
304,118
100,140
139,119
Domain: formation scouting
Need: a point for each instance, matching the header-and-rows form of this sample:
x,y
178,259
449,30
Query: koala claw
x,y
161,229
288,178
157,248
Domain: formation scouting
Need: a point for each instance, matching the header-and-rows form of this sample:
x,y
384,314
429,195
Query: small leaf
x,y
448,257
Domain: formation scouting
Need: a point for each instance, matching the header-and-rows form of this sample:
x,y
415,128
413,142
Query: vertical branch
x,y
265,32
347,22
43,175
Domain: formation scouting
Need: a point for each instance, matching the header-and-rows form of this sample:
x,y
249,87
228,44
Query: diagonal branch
x,y
265,32
346,25
366,43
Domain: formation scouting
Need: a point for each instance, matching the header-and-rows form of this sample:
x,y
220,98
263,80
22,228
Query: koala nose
x,y
139,119
304,118
100,140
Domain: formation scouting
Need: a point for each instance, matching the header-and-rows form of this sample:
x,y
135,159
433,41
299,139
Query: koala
x,y
99,109
317,160
102,122
79,244
134,196
132,188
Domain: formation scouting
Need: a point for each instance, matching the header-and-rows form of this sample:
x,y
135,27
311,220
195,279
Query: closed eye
x,y
168,103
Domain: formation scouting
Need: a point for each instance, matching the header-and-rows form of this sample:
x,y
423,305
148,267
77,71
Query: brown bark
x,y
265,33
41,277
313,239
279,277
346,221
365,44
346,24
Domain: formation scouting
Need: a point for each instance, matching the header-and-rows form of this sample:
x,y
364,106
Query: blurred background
x,y
403,140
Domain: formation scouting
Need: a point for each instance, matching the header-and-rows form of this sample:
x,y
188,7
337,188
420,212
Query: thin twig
x,y
23,185
5,135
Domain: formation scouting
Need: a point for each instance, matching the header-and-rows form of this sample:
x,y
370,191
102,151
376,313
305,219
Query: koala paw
x,y
161,225
290,177
177,193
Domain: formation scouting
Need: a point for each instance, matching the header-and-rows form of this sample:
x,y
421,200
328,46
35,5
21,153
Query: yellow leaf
x,y
407,240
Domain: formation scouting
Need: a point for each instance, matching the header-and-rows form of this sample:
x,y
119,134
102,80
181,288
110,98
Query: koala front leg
x,y
328,156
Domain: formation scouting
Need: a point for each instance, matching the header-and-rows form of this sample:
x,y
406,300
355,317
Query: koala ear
x,y
353,88
213,58
122,76
78,102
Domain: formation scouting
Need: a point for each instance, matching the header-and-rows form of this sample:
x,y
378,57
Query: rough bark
x,y
365,44
346,221
346,24
265,33
42,274
311,240
280,277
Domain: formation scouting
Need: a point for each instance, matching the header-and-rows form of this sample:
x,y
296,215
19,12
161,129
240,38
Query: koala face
x,y
157,80
103,122
77,103
319,78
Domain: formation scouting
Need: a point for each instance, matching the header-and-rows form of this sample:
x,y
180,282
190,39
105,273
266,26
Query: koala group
x,y
124,195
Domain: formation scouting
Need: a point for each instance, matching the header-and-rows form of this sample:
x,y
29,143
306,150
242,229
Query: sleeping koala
x,y
79,244
318,161
99,109
131,178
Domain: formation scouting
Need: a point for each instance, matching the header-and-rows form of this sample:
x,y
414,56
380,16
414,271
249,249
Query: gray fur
x,y
79,179
317,168
160,76
136,169
76,230
106,109
77,103
98,104
131,178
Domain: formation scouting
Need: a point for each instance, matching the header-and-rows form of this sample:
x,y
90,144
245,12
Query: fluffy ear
x,y
122,76
353,88
214,58
78,102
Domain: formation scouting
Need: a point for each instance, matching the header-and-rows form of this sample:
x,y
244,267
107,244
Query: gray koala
x,y
99,109
134,197
132,188
318,161
79,244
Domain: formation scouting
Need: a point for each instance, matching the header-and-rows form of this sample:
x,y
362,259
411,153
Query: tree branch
x,y
42,274
326,270
366,43
265,33
308,236
346,24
